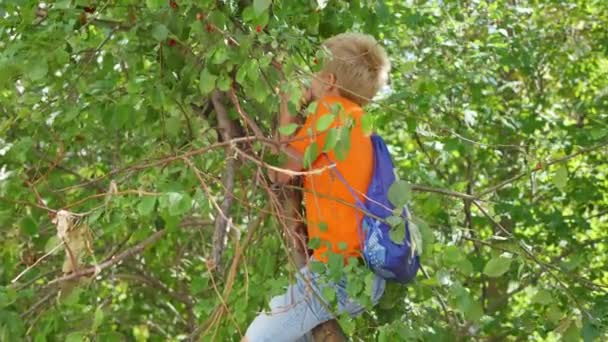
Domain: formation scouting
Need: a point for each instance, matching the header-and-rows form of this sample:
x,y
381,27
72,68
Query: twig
x,y
248,120
531,255
156,284
424,188
37,262
30,204
119,193
555,161
219,310
167,159
114,260
282,170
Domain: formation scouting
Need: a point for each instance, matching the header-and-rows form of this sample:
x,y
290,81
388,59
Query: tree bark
x,y
227,131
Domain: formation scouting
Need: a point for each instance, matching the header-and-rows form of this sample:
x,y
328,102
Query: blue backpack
x,y
390,260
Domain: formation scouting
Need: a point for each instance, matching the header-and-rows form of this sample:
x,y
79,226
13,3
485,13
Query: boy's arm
x,y
294,157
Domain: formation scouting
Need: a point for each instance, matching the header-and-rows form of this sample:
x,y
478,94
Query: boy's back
x,y
331,213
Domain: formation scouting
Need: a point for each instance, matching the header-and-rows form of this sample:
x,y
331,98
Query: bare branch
x,y
248,120
114,260
424,188
552,162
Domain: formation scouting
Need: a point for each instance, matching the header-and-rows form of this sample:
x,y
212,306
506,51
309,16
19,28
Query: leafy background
x,y
496,115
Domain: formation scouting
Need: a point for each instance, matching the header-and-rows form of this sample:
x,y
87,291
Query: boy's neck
x,y
334,92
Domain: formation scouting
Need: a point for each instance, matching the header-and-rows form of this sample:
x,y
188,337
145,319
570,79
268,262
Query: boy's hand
x,y
285,117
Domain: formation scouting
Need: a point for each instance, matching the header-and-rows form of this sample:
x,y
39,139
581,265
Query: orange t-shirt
x,y
335,223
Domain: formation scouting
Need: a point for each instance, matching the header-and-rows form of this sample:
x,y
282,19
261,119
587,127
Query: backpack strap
x,y
339,175
360,204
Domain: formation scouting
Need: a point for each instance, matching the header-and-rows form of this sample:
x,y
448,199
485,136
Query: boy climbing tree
x,y
332,137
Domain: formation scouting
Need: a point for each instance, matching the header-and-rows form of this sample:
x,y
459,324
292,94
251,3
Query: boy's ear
x,y
331,80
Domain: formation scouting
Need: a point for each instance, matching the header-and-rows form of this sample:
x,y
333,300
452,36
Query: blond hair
x,y
360,65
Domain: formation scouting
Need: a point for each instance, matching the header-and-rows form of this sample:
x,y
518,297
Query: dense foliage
x,y
121,112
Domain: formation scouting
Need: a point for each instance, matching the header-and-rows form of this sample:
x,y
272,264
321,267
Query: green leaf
x,y
29,226
331,138
394,221
173,125
62,4
400,193
146,205
343,145
198,284
369,283
335,264
572,334
324,122
312,107
180,203
206,82
542,297
156,4
217,18
310,155
553,313
51,244
77,336
560,178
317,267
260,6
426,235
159,32
397,234
451,255
219,56
590,330
598,133
473,311
465,266
497,266
342,245
288,129
98,318
241,74
38,69
314,243
329,294
223,83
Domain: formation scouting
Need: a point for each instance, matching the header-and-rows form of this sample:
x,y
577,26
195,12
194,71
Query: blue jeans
x,y
301,308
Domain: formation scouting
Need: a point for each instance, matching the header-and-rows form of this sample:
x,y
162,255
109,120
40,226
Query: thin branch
x,y
248,120
424,188
534,258
37,262
169,159
26,203
555,161
158,285
114,260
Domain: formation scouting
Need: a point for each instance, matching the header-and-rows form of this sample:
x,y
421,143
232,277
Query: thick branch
x,y
226,128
